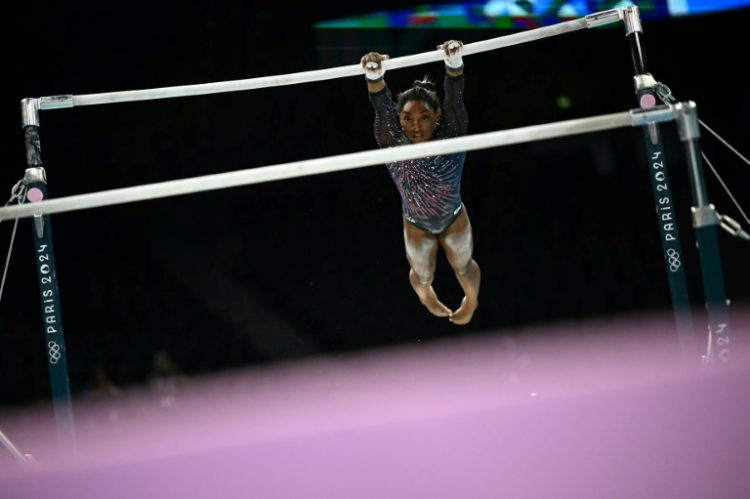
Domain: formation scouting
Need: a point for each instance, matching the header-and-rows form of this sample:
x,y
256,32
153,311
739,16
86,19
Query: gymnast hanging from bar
x,y
430,188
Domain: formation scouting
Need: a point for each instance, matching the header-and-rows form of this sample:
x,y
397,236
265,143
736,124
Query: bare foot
x,y
430,300
465,312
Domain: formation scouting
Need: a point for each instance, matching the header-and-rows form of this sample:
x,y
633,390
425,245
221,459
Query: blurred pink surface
x,y
597,410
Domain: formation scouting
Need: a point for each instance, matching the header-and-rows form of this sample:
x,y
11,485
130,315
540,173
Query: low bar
x,y
337,163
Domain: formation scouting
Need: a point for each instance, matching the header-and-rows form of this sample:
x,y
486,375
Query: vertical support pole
x,y
35,180
665,212
705,220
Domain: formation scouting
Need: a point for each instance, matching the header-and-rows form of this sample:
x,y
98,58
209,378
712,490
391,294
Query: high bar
x,y
68,101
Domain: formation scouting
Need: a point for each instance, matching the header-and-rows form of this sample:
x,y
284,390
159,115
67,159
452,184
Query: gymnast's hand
x,y
372,62
452,51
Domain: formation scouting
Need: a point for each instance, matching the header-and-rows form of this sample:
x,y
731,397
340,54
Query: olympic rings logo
x,y
673,260
53,349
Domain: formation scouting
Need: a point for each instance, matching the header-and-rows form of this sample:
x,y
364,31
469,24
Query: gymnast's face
x,y
418,120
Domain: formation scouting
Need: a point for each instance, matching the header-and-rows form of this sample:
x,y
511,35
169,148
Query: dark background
x,y
564,229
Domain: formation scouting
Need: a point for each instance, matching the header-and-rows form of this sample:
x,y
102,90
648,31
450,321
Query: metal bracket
x,y
704,216
604,17
35,174
643,81
56,102
30,112
686,115
632,19
656,114
31,106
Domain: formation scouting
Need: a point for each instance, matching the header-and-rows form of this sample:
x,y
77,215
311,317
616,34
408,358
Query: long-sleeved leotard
x,y
430,187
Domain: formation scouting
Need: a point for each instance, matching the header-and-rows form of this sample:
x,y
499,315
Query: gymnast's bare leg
x,y
458,242
421,251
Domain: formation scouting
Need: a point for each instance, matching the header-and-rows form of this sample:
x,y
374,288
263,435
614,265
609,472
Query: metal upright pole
x,y
705,220
35,180
645,86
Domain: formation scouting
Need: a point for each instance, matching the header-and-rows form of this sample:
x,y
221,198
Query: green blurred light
x,y
563,102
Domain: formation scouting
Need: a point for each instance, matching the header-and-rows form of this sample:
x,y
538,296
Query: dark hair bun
x,y
423,90
426,84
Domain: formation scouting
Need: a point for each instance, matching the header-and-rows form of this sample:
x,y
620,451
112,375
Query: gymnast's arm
x,y
386,120
456,119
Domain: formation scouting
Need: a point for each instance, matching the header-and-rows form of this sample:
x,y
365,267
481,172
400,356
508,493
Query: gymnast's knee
x,y
422,276
464,267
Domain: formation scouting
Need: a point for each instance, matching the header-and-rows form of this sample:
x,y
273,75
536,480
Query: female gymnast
x,y
430,188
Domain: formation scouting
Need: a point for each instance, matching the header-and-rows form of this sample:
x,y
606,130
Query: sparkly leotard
x,y
430,187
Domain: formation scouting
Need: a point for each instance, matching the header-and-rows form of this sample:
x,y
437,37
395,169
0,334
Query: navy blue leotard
x,y
430,187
